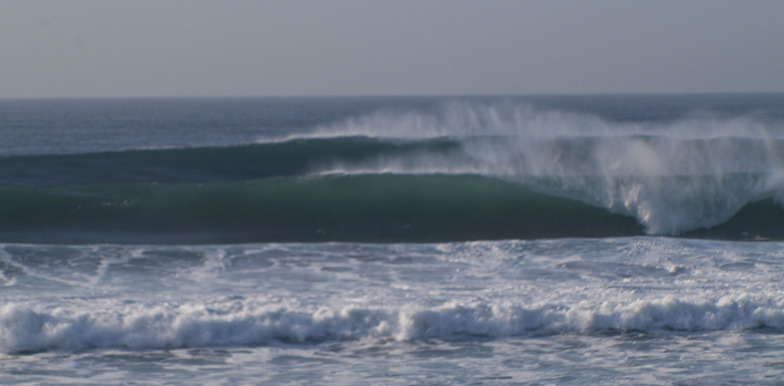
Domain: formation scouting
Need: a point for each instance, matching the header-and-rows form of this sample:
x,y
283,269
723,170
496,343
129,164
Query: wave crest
x,y
200,325
675,176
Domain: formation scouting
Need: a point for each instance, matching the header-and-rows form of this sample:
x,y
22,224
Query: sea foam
x,y
23,329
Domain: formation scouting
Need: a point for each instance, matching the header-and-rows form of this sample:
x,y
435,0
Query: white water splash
x,y
673,176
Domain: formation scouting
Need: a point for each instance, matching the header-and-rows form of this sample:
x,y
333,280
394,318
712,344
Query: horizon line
x,y
391,95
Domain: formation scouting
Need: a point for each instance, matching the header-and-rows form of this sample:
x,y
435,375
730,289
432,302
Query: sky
x,y
104,48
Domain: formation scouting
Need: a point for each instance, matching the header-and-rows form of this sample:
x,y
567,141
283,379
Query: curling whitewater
x,y
255,323
74,298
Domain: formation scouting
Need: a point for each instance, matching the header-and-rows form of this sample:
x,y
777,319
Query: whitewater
x,y
552,239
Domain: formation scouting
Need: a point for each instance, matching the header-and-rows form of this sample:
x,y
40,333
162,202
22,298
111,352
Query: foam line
x,y
23,329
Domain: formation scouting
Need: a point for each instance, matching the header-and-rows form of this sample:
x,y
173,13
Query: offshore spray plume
x,y
675,176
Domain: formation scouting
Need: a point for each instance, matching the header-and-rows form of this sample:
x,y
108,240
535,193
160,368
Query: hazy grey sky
x,y
289,47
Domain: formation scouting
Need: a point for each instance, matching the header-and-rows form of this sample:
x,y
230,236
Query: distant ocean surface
x,y
393,240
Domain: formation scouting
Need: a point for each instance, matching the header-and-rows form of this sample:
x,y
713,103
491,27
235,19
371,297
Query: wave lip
x,y
197,325
674,176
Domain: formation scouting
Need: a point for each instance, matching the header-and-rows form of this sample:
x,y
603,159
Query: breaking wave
x,y
233,323
496,169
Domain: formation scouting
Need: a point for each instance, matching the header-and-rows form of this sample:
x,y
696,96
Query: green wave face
x,y
373,208
367,208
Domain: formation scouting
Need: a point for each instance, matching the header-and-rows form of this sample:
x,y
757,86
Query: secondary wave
x,y
232,323
206,164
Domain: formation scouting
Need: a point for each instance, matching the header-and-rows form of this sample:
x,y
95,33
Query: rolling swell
x,y
205,164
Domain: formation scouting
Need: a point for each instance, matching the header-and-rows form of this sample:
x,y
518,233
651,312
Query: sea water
x,y
574,239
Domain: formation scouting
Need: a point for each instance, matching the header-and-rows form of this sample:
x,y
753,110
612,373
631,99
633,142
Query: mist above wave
x,y
673,176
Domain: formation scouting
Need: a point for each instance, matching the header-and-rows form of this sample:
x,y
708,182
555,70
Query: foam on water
x,y
167,326
138,297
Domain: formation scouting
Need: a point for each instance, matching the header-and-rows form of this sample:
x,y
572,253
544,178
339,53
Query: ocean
x,y
393,240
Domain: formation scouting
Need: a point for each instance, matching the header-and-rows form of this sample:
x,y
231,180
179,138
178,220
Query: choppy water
x,y
408,240
631,309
